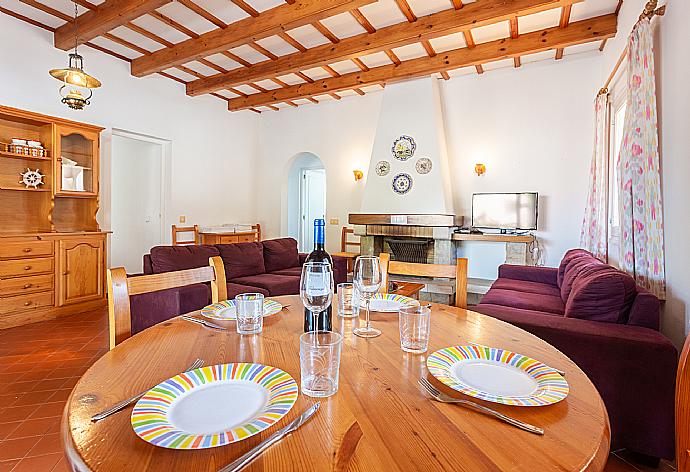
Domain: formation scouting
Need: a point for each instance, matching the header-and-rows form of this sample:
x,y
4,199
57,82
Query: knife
x,y
268,442
208,324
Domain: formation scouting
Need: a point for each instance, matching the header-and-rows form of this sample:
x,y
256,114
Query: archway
x,y
306,182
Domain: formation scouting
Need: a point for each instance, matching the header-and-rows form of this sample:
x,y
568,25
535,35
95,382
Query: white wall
x,y
212,150
673,94
520,123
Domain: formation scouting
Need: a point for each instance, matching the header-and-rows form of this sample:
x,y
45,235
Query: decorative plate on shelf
x,y
213,406
383,168
497,375
423,165
226,311
402,183
404,148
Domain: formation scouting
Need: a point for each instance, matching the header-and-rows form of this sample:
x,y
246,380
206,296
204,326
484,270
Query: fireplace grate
x,y
409,250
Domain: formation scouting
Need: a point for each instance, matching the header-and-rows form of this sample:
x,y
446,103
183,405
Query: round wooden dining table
x,y
380,418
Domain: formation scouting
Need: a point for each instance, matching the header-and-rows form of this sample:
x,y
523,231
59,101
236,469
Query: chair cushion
x,y
292,271
524,300
171,258
526,286
194,297
242,259
567,259
601,293
151,308
236,289
280,254
275,284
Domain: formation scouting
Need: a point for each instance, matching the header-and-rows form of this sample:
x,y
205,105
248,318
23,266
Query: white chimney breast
x,y
412,109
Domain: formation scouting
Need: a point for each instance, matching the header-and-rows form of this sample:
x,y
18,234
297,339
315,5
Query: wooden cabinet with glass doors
x,y
52,251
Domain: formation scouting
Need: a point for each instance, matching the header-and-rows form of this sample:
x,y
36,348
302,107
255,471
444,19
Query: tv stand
x,y
517,245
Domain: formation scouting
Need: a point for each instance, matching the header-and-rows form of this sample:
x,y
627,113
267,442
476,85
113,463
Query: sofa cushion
x,y
601,293
578,267
236,289
524,300
151,308
280,254
242,259
645,310
567,259
194,297
292,271
526,286
171,258
275,284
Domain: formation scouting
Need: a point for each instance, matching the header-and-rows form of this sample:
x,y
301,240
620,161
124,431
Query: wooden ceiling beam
x,y
270,22
594,29
248,9
565,20
428,27
514,33
107,16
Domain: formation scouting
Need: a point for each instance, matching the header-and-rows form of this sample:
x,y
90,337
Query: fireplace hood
x,y
411,183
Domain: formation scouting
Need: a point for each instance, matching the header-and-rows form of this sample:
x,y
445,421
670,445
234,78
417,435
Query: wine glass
x,y
316,288
367,280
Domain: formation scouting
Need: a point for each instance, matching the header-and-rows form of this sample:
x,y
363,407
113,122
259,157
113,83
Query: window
x,y
618,106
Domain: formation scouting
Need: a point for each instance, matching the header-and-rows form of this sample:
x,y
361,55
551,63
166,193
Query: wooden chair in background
x,y
185,229
457,272
257,230
344,244
683,410
121,287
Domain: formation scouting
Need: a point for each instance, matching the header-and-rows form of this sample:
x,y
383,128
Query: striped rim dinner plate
x,y
497,375
389,302
225,310
213,406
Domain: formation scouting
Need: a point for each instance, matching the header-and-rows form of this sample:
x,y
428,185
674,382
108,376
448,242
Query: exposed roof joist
x,y
595,29
439,24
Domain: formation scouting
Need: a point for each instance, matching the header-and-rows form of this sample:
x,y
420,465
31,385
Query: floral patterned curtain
x,y
642,229
594,236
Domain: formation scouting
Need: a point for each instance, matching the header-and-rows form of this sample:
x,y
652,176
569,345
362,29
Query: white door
x,y
312,204
136,206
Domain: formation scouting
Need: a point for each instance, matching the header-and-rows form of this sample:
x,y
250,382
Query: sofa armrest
x,y
302,257
148,264
543,275
633,368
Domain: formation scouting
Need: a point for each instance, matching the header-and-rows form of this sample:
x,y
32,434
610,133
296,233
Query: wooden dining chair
x,y
345,242
185,229
121,287
683,410
257,232
457,272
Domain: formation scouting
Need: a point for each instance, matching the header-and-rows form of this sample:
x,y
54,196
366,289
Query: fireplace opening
x,y
410,250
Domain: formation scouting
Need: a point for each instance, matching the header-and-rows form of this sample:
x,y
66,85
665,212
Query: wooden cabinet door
x,y
80,270
76,161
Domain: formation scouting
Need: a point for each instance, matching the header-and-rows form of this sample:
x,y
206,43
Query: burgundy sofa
x,y
271,267
605,323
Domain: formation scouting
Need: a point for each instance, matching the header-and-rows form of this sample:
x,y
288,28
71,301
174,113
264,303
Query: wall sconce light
x,y
480,169
359,175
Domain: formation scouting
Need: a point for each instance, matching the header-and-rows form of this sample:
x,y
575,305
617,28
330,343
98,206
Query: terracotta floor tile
x,y
33,398
48,410
60,395
8,428
7,466
9,399
48,444
16,413
39,463
52,384
35,427
16,448
62,466
17,387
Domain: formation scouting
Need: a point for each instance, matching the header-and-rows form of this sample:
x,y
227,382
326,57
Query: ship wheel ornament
x,y
32,178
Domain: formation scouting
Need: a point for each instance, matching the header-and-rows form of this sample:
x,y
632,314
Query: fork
x,y
443,398
124,403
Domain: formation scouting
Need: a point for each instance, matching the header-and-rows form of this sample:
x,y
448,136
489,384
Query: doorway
x,y
137,198
306,198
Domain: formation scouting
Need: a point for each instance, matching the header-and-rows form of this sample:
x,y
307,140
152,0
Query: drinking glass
x,y
319,359
250,313
367,281
316,288
414,328
347,301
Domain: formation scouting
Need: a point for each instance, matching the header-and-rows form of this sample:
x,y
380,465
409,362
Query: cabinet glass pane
x,y
77,163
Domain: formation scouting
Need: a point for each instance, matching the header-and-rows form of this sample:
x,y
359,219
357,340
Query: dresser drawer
x,y
24,267
25,302
24,285
246,238
18,249
228,240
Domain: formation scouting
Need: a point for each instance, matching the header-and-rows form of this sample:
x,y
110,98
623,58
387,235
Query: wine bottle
x,y
322,321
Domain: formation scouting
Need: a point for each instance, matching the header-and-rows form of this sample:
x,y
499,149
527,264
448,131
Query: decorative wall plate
x,y
423,165
32,178
404,148
383,168
402,183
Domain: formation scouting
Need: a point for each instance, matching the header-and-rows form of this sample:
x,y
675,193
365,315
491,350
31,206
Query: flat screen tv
x,y
505,211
